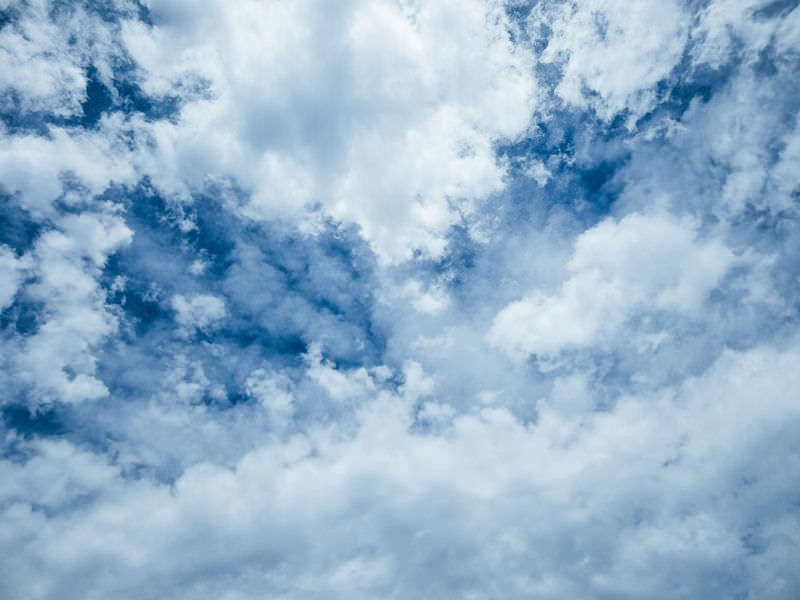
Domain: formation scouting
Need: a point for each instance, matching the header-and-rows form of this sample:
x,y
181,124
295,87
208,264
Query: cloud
x,y
200,311
58,359
385,115
38,65
413,300
46,49
388,500
35,167
639,263
613,53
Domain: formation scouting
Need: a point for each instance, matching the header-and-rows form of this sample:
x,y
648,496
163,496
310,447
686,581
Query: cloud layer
x,y
485,299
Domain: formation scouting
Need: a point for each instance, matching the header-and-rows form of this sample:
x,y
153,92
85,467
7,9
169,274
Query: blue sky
x,y
404,299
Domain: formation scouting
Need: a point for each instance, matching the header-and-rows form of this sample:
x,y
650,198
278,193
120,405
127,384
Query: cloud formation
x,y
421,299
641,263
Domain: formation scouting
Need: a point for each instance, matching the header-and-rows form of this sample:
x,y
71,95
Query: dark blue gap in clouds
x,y
130,98
778,8
8,16
18,229
584,156
595,146
16,120
332,271
107,11
98,99
43,422
689,82
599,186
22,317
518,15
582,183
260,271
459,258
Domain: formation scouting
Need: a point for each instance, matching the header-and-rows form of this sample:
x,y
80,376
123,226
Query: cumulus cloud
x,y
378,492
38,65
385,115
613,52
58,359
422,299
200,311
640,263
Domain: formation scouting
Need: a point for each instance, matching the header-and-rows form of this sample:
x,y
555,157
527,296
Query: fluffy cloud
x,y
385,115
640,263
388,500
58,360
412,300
613,52
38,66
45,50
36,167
198,311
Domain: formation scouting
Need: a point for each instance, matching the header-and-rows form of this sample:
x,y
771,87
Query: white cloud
x,y
199,311
56,475
34,166
613,52
430,301
273,391
537,170
284,416
59,360
45,50
340,385
388,499
385,114
637,263
35,61
728,26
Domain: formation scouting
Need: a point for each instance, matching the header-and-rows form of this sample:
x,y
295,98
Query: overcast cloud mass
x,y
485,299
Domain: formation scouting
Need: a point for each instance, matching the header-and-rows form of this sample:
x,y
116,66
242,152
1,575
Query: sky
x,y
406,299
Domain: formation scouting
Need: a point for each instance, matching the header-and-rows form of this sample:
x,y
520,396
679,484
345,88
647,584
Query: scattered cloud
x,y
483,299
